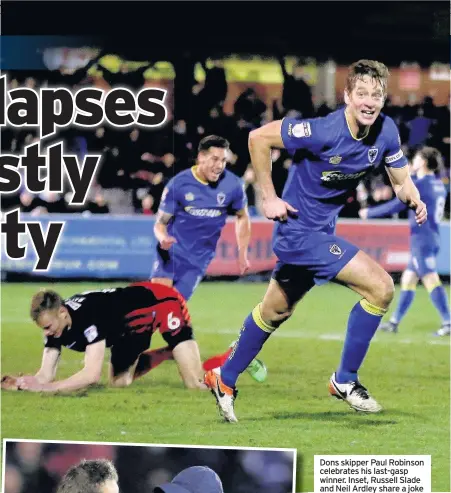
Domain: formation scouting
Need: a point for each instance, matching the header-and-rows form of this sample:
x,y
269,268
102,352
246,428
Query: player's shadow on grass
x,y
357,419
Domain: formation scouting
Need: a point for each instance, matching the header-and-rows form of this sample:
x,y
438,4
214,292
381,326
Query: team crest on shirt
x,y
189,196
221,198
335,160
372,154
335,249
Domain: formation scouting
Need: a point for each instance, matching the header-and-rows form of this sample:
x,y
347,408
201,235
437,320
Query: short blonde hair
x,y
372,68
44,300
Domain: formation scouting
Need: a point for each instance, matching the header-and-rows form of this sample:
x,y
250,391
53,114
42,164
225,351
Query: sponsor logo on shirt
x,y
194,211
331,176
91,333
394,157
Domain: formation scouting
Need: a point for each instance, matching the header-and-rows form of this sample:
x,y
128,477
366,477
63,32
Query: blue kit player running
x,y
193,210
192,213
330,156
424,241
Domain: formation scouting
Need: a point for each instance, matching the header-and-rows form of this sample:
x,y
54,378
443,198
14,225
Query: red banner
x,y
387,243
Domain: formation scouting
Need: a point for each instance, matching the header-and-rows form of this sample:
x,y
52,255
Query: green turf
x,y
408,373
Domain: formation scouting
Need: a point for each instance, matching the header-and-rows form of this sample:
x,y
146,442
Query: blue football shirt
x,y
199,211
328,161
433,193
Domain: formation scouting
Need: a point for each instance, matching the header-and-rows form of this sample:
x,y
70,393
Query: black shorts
x,y
127,349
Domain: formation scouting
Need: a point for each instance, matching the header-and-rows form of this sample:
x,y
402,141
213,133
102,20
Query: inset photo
x,y
85,467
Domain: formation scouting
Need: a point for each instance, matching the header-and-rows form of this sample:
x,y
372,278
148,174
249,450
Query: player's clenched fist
x,y
167,242
277,209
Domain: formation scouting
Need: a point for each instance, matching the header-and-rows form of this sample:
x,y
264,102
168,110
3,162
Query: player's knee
x,y
383,291
431,280
121,381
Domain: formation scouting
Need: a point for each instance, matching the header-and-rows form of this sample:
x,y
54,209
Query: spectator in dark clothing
x,y
297,94
249,107
125,77
214,91
98,205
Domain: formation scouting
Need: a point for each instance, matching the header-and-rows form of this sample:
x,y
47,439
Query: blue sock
x,y
440,300
405,300
362,325
253,335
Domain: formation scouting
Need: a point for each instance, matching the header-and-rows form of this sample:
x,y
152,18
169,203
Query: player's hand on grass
x,y
363,213
9,382
30,383
421,213
243,263
277,209
167,242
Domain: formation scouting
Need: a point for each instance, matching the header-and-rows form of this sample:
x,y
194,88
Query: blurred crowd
x,y
137,163
37,467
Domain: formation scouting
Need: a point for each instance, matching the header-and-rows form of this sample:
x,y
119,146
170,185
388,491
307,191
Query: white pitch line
x,y
287,334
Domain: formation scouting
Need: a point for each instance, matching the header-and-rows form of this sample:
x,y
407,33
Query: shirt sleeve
x,y
169,203
300,134
52,342
394,157
240,199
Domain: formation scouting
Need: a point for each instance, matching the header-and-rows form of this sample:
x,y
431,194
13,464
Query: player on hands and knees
x,y
424,241
193,211
330,156
122,319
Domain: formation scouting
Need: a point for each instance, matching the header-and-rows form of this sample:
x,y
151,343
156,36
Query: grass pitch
x,y
408,373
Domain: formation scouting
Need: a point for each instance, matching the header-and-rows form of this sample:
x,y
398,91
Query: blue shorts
x,y
423,259
308,259
185,277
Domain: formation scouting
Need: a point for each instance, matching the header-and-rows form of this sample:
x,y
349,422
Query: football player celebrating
x,y
330,156
192,213
424,241
122,319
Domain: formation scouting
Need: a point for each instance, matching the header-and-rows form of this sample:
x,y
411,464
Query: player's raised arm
x,y
261,141
407,192
89,375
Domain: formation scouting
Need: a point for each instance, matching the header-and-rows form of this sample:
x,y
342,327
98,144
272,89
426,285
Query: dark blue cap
x,y
197,479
